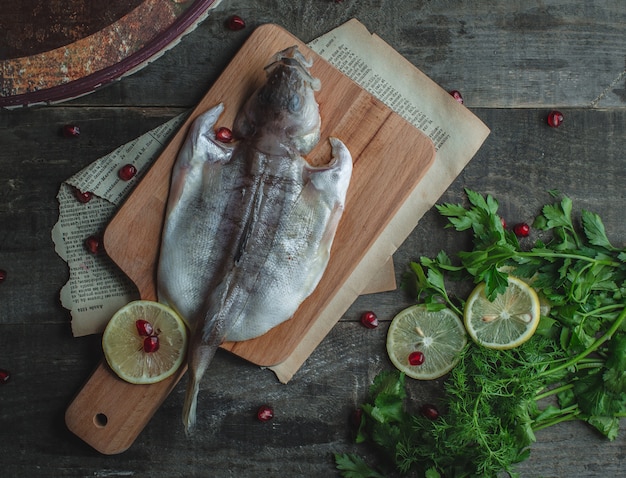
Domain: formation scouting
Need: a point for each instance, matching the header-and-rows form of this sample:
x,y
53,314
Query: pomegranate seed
x,y
265,413
457,96
429,411
236,23
521,230
224,135
3,275
92,243
416,358
151,344
555,118
5,376
503,223
127,172
71,131
369,320
144,328
83,197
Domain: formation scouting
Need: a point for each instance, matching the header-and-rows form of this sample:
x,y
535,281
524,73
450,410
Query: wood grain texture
x,y
519,162
498,54
109,414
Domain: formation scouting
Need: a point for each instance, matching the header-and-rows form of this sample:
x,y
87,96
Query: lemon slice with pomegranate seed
x,y
507,322
145,342
425,344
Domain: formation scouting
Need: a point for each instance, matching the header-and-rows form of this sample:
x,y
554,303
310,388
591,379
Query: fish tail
x,y
200,357
190,405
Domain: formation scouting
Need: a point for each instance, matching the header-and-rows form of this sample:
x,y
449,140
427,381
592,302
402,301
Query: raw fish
x,y
249,225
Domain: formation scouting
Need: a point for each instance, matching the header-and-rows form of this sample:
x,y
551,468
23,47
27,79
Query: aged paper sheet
x,y
96,287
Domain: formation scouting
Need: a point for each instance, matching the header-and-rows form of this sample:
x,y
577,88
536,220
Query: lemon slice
x,y
510,320
425,345
145,342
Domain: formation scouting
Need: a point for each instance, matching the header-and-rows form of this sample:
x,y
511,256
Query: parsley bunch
x,y
573,368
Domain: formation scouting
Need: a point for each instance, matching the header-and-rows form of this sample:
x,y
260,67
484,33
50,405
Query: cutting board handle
x,y
109,413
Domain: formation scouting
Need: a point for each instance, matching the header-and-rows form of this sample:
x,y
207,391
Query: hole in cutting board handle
x,y
100,420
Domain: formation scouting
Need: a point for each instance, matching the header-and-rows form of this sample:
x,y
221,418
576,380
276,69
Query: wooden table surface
x,y
513,61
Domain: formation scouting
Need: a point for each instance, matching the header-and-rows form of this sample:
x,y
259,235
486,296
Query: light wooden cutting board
x,y
390,157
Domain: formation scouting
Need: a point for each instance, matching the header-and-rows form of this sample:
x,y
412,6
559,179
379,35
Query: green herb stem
x,y
600,310
569,413
553,391
555,255
458,311
592,348
567,255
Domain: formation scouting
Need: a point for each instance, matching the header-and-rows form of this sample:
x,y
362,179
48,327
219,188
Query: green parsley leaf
x,y
353,466
594,230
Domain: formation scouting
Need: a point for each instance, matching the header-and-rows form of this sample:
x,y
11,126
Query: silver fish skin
x,y
249,226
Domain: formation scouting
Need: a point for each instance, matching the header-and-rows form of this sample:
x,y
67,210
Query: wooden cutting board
x,y
390,157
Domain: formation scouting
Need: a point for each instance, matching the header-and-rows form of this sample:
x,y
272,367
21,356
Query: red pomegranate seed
x,y
416,358
3,275
265,413
71,131
127,172
369,320
457,96
83,197
5,376
144,328
224,135
236,23
555,118
429,411
503,223
521,230
151,344
92,243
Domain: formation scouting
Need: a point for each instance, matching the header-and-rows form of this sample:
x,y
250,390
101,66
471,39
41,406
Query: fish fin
x,y
190,405
199,360
330,184
202,146
332,180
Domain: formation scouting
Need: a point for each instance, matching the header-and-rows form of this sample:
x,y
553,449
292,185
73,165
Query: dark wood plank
x,y
312,416
511,60
502,54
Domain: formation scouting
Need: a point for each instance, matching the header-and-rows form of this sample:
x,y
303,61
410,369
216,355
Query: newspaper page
x,y
457,134
96,287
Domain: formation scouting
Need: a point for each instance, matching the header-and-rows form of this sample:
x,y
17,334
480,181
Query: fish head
x,y
282,116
